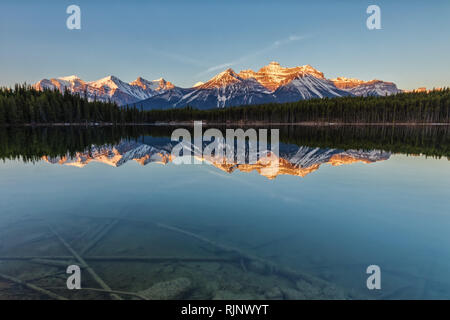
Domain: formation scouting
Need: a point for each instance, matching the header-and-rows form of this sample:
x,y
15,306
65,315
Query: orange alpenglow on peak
x,y
158,84
424,89
222,79
70,78
345,83
198,84
348,83
274,75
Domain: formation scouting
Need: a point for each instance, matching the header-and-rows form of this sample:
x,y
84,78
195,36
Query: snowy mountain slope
x,y
307,87
223,90
108,88
271,83
166,100
273,75
366,88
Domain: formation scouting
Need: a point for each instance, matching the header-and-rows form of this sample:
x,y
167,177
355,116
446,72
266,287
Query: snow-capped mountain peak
x,y
274,75
70,78
271,83
307,86
156,85
111,82
225,89
70,83
108,88
143,83
197,84
359,87
307,69
273,67
223,79
346,83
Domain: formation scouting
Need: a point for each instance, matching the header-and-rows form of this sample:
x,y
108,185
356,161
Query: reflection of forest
x,y
31,144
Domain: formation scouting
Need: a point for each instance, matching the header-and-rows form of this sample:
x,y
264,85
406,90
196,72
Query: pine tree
x,y
2,111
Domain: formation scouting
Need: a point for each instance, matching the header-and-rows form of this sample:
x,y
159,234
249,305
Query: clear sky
x,y
190,41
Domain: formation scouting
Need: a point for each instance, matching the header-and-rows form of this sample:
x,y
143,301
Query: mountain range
x,y
293,160
109,88
272,83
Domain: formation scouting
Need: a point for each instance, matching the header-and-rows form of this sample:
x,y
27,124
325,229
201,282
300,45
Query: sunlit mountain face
x,y
271,83
292,160
109,88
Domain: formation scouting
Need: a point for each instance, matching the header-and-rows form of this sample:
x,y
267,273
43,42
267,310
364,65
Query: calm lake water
x,y
343,199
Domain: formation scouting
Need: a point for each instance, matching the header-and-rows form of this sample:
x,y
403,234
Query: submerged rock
x,y
228,295
168,290
257,267
327,276
169,269
320,290
308,290
274,294
292,294
211,266
331,292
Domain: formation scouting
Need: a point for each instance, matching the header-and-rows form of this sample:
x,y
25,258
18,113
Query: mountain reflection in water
x,y
294,160
147,226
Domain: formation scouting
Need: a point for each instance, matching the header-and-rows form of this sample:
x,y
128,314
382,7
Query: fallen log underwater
x,y
118,259
33,287
236,256
272,267
91,271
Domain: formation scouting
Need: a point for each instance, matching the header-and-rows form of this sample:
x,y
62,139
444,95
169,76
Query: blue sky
x,y
190,41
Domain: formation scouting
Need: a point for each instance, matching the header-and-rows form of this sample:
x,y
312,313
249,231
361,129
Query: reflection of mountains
x,y
293,160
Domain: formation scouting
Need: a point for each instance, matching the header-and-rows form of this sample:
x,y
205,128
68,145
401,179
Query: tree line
x,y
413,107
25,105
28,143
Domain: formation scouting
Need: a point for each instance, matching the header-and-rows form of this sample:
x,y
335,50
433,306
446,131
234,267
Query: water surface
x,y
345,198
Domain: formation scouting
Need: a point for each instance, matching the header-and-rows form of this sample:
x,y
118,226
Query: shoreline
x,y
205,123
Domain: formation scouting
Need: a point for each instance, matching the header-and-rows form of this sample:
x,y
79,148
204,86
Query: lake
x,y
343,198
